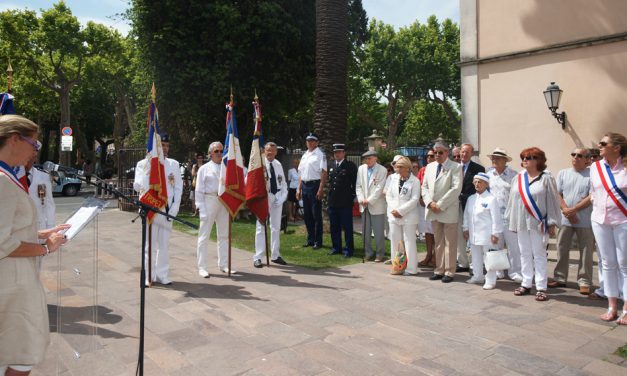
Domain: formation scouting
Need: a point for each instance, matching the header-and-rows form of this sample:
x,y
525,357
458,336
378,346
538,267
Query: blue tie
x,y
369,173
439,170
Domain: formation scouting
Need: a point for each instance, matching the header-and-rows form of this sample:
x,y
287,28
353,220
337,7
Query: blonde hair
x,y
16,124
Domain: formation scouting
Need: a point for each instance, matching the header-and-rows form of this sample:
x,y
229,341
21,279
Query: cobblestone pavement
x,y
354,320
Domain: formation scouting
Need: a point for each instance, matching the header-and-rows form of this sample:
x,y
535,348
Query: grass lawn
x,y
243,233
622,351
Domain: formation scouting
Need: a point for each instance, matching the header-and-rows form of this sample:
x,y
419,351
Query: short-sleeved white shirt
x,y
311,165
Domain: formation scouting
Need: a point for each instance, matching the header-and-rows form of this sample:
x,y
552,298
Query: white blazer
x,y
172,177
444,190
281,183
405,201
371,190
482,218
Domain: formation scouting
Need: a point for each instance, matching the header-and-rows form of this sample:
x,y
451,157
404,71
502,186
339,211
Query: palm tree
x,y
331,98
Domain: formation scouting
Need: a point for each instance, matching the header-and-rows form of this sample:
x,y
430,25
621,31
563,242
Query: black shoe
x,y
436,277
461,269
447,279
307,245
317,246
279,261
334,252
258,264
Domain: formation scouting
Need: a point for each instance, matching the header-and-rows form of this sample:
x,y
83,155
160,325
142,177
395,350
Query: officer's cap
x,y
311,137
165,137
339,147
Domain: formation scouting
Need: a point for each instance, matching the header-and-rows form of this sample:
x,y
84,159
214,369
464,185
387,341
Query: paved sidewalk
x,y
354,320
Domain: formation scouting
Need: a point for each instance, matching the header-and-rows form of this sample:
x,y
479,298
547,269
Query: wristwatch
x,y
46,250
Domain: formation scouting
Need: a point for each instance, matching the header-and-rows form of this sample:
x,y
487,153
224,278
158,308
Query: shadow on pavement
x,y
73,318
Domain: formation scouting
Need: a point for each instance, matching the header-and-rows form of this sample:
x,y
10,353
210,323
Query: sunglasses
x,y
34,143
457,157
217,151
430,156
529,158
577,155
439,152
603,144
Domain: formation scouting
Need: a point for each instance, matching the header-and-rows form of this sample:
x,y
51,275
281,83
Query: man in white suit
x,y
277,194
440,192
161,225
371,177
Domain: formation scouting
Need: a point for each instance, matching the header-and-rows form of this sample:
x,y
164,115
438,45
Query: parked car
x,y
65,185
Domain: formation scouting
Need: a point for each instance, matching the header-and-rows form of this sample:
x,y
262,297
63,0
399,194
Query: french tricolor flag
x,y
231,190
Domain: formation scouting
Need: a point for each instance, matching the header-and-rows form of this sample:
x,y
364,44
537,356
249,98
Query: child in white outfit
x,y
482,226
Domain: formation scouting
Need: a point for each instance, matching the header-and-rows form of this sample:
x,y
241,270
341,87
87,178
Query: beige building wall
x,y
508,104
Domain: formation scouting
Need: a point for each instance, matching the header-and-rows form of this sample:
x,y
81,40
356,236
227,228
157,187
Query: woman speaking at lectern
x,y
24,331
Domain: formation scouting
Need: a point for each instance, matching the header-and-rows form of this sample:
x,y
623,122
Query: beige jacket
x,y
371,190
444,190
23,311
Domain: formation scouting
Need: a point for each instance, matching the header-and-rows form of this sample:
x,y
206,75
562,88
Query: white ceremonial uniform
x,y
500,187
482,219
275,204
405,201
161,226
211,210
40,190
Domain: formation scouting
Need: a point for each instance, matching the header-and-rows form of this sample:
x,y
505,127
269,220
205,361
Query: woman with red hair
x,y
533,211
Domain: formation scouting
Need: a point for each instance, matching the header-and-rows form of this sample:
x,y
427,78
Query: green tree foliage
x,y
426,121
55,49
196,50
398,68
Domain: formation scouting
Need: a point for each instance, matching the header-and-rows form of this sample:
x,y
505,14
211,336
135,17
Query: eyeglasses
x,y
34,143
577,155
439,152
529,158
602,144
430,156
217,151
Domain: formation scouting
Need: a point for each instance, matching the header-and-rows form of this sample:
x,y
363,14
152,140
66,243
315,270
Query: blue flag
x,y
6,104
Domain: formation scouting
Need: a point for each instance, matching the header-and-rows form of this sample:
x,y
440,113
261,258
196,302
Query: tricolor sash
x,y
8,171
528,201
609,183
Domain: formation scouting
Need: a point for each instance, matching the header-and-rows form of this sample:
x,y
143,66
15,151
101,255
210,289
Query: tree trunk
x,y
64,97
331,94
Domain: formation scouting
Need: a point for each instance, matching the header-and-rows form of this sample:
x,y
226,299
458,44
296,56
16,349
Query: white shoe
x,y
516,278
488,286
475,280
203,273
500,274
226,270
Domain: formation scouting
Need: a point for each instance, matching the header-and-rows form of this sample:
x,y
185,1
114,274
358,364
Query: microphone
x,y
51,166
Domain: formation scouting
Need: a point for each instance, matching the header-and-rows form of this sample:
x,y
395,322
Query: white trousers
x,y
612,245
275,231
509,240
406,233
533,258
462,244
160,241
478,253
214,212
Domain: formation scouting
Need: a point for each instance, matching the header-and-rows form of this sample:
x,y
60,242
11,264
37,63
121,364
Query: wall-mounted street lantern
x,y
552,95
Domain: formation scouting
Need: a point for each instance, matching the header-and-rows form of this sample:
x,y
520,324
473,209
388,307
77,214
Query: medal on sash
x,y
528,201
609,183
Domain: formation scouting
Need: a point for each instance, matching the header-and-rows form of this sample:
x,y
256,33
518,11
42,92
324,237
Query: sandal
x,y
520,291
622,319
425,262
609,315
541,296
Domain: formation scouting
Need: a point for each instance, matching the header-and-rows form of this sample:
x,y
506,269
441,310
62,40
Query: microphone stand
x,y
144,209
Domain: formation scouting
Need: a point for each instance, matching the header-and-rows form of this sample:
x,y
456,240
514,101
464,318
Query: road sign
x,y
66,131
66,143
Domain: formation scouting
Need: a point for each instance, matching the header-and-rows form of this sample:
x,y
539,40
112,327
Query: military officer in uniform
x,y
277,194
342,178
312,178
161,225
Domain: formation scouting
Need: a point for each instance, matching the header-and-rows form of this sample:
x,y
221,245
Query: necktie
x,y
439,170
28,178
273,188
369,173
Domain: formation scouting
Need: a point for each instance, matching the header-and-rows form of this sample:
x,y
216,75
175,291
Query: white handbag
x,y
496,260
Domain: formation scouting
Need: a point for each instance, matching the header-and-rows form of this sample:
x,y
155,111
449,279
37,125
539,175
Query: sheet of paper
x,y
81,218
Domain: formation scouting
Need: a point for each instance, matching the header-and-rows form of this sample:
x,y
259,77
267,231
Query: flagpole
x,y
149,256
265,238
9,78
230,224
